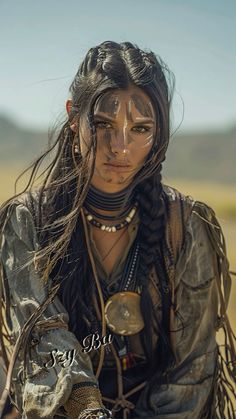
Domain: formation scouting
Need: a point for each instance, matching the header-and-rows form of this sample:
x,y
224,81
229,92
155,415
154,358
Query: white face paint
x,y
150,138
143,141
149,141
125,126
125,135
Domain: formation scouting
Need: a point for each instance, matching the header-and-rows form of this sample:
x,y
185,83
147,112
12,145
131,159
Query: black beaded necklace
x,y
96,199
113,202
109,201
92,211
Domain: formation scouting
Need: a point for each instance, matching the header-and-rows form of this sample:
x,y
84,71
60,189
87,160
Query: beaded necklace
x,y
125,308
97,199
122,300
113,228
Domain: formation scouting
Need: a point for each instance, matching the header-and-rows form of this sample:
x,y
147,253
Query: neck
x,y
109,204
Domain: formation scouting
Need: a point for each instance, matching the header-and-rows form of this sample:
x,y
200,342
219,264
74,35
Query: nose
x,y
119,143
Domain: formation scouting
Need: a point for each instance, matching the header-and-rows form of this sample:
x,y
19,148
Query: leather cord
x,y
102,305
121,400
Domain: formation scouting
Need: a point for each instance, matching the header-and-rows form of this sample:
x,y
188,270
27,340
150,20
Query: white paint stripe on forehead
x,y
125,133
129,107
108,96
150,107
118,107
140,117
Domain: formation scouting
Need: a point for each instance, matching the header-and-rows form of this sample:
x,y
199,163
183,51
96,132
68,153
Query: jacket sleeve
x,y
189,391
42,382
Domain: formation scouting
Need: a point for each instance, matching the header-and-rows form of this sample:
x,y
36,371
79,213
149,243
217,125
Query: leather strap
x,y
179,208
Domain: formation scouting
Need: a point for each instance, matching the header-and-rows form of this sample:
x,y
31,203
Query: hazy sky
x,y
43,42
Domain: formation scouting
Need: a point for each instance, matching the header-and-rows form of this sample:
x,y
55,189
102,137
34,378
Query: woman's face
x,y
125,125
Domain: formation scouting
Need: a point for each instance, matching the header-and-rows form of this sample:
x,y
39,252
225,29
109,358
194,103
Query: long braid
x,y
152,229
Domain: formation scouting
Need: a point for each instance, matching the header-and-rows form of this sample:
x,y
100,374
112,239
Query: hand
x,y
13,415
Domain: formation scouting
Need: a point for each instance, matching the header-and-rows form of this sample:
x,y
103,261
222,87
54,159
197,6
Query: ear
x,y
68,106
73,125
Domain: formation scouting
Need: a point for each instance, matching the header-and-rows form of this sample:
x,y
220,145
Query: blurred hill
x,y
18,144
206,156
209,156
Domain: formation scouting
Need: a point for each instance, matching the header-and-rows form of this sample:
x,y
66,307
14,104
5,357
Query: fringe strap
x,y
225,381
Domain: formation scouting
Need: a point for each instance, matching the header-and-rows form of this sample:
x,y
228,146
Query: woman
x,y
112,280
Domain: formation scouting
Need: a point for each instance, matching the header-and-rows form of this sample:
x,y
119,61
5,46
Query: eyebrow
x,y
108,118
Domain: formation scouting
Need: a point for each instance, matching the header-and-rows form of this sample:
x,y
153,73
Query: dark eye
x,y
141,129
102,124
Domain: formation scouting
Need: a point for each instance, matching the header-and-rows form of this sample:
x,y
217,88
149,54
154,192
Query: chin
x,y
116,180
111,181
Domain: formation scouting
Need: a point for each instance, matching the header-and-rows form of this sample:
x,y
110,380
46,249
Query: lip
x,y
117,166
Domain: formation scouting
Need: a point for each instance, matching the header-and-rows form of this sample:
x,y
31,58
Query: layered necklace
x,y
122,301
109,202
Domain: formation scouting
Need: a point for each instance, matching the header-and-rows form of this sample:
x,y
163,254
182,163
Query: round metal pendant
x,y
123,314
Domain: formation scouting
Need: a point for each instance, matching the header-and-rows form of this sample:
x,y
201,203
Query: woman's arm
x,y
189,389
53,360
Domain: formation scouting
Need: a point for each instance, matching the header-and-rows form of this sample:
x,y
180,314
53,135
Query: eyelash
x,y
146,129
102,123
137,128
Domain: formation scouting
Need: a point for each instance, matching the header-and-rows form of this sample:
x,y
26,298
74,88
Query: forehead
x,y
134,99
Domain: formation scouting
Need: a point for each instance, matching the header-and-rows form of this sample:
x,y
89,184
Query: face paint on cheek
x,y
145,109
145,142
148,141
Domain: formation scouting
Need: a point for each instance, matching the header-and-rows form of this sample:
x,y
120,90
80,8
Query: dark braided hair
x,y
63,254
127,63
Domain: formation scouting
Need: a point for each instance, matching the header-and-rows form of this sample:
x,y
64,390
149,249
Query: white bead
x,y
132,212
107,228
113,229
103,227
128,219
89,217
